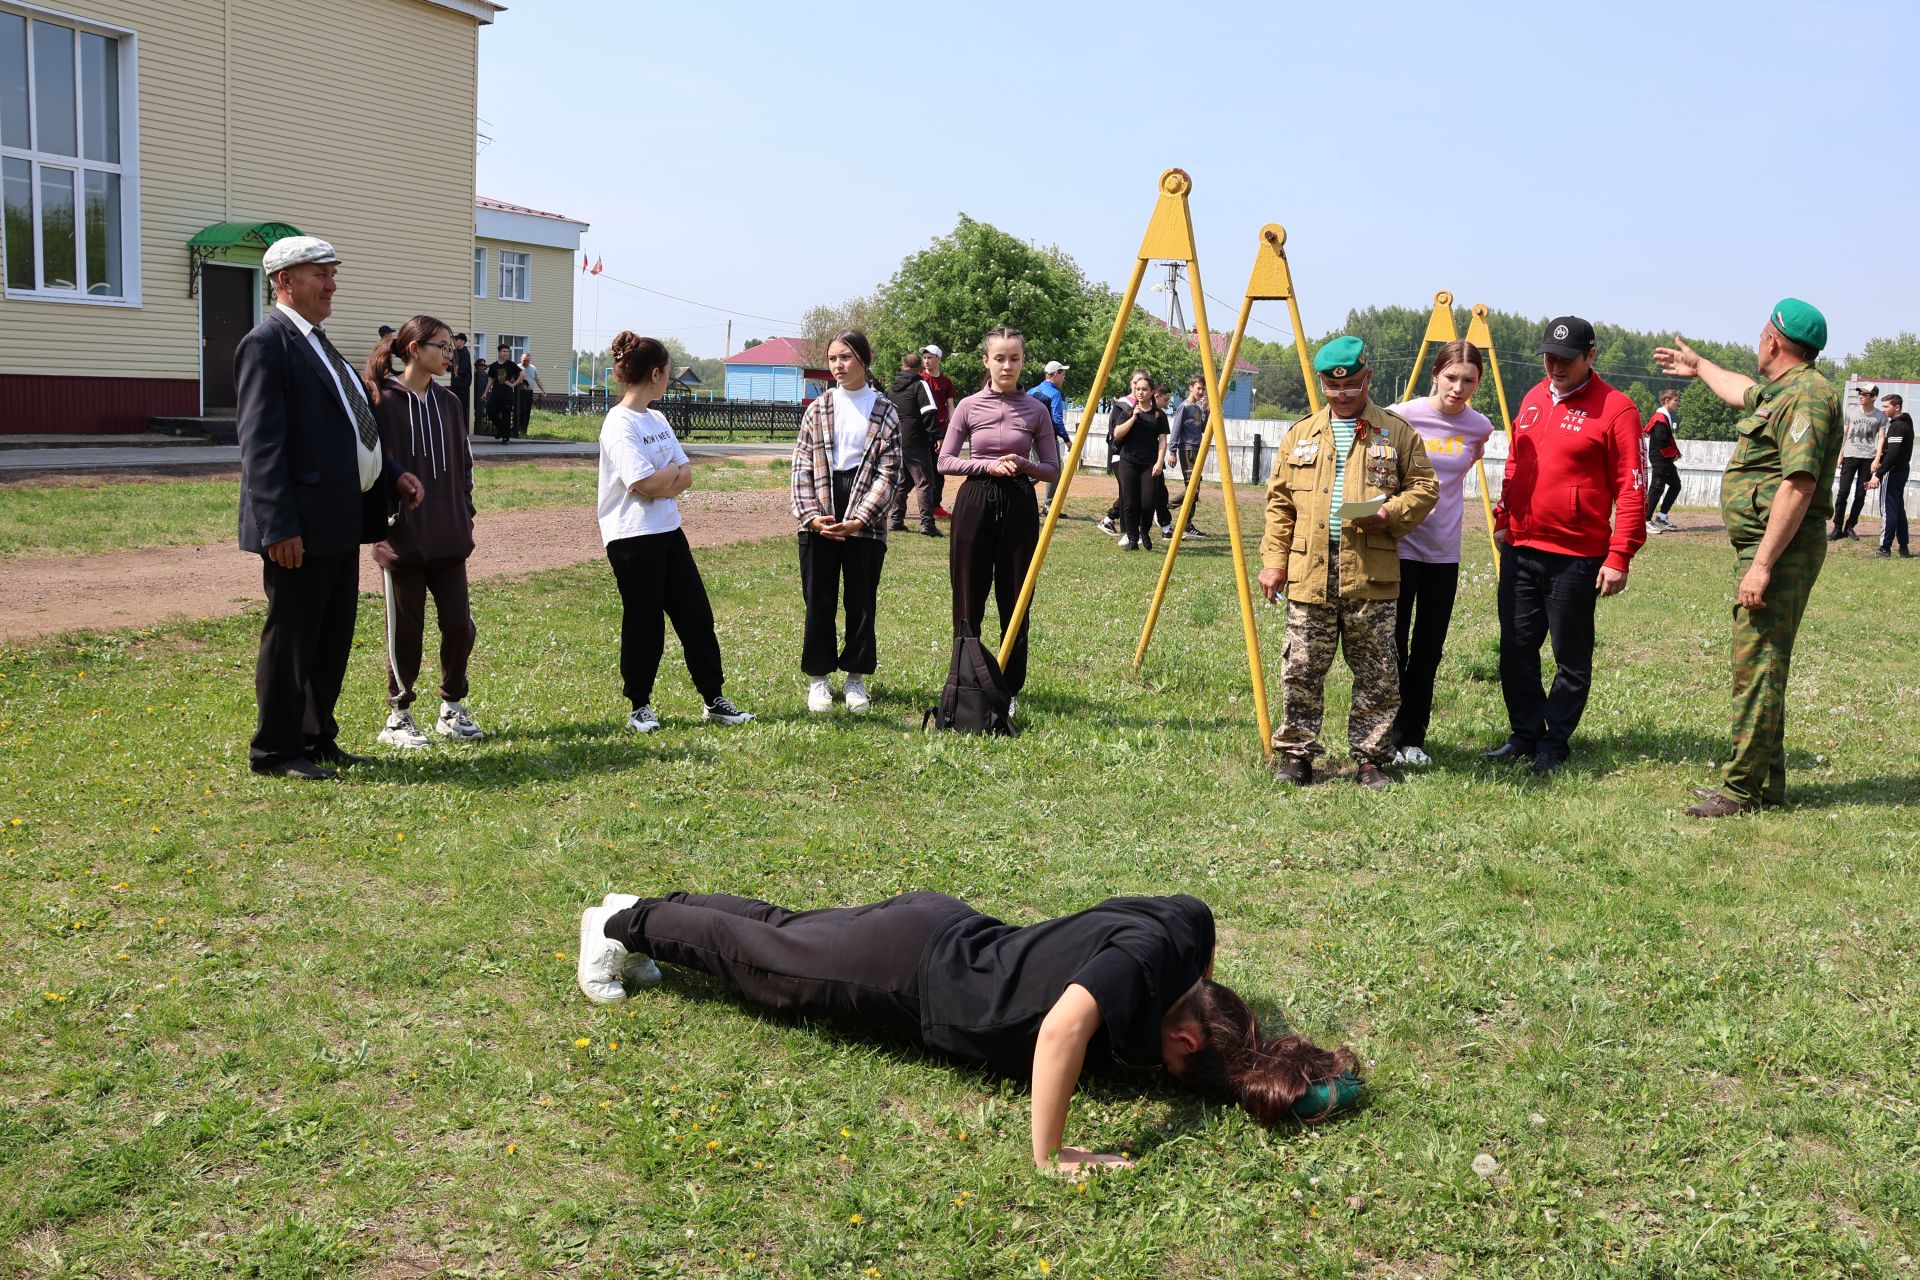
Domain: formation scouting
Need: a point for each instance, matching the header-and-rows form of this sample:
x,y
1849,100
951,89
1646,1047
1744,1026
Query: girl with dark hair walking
x,y
846,463
1138,429
1127,982
643,471
423,424
996,521
1455,435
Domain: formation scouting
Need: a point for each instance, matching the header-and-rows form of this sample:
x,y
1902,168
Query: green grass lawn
x,y
77,519
550,424
263,1029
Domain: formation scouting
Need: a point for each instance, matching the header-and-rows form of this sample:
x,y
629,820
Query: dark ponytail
x,y
636,359
415,331
1264,1076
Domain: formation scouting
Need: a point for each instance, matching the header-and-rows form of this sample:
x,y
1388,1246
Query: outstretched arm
x,y
1058,1055
1683,361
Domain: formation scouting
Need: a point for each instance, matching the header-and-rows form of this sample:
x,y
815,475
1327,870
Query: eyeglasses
x,y
438,346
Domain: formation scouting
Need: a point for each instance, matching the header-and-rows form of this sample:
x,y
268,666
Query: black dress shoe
x,y
338,759
931,529
1544,764
1508,751
305,770
898,526
1295,769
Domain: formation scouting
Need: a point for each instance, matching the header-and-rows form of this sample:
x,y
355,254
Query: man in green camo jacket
x,y
1776,498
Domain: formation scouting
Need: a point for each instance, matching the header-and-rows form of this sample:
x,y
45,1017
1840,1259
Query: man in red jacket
x,y
1572,513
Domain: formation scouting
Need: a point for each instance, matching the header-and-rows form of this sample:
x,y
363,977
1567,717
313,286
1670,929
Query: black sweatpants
x,y
824,564
407,588
996,524
1162,504
522,409
859,963
658,581
1542,594
1189,470
1137,494
304,645
1854,474
1664,479
1419,639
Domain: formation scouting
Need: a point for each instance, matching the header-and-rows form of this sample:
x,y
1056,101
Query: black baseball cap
x,y
1566,336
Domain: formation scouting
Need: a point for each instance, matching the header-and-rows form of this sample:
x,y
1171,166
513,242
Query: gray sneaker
x,y
402,732
643,720
455,722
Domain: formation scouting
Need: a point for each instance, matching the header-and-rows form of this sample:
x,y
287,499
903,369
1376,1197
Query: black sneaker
x,y
898,526
931,529
1196,532
722,711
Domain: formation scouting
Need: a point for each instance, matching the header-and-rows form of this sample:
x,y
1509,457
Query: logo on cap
x,y
1559,333
1339,371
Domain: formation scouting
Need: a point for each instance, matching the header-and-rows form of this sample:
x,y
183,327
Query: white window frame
x,y
509,267
479,271
128,167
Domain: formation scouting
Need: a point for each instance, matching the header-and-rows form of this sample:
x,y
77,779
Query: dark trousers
x,y
1137,494
659,581
920,475
996,523
1854,474
500,414
824,564
464,394
1893,509
407,589
1159,507
1189,465
1544,594
858,963
1419,638
522,409
304,644
1664,479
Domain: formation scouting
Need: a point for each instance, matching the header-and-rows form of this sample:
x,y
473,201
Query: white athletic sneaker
x,y
1126,544
1654,527
455,722
1166,531
819,695
1107,526
643,720
402,732
601,958
1412,756
858,699
724,712
1013,705
639,970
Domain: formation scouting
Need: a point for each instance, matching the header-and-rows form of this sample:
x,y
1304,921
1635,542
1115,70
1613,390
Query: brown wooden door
x,y
226,313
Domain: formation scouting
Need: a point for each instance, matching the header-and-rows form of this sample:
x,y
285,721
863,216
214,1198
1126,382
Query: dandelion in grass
x,y
855,1219
512,1147
582,1043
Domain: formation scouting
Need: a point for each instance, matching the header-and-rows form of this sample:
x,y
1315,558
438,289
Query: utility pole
x,y
1175,321
729,350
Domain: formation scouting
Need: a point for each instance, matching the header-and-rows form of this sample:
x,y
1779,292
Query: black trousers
x,y
1545,594
304,644
1893,508
1189,464
1663,479
464,394
1419,639
1161,507
500,413
407,588
522,409
659,581
996,524
859,963
1137,494
921,476
824,564
1854,474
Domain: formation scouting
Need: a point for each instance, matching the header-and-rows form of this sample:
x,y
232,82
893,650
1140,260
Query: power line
x,y
728,311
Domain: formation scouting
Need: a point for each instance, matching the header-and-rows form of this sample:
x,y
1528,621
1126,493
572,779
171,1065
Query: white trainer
x,y
1412,756
601,958
638,971
1013,705
819,695
402,732
1107,526
643,720
456,722
858,699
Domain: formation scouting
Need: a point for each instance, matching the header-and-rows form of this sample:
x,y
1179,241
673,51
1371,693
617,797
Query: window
x,y
479,273
516,270
68,174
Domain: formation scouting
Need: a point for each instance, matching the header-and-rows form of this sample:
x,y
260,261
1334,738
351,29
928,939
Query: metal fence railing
x,y
734,419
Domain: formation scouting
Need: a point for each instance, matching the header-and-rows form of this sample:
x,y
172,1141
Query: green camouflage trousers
x,y
1363,629
1762,653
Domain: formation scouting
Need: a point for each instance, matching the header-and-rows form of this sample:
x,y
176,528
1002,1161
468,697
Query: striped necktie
x,y
356,399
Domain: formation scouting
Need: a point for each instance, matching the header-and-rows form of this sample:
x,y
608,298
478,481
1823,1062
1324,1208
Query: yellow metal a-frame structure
x,y
1441,329
1169,237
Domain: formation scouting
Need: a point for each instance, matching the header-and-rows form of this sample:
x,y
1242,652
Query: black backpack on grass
x,y
976,698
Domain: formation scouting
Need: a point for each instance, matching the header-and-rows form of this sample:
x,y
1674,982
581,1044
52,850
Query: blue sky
x,y
1672,166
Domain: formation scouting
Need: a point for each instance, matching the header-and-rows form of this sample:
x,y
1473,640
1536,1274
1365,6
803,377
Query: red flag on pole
x,y
583,262
599,264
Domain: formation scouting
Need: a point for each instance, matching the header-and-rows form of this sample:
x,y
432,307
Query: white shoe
x,y
1653,527
1013,705
1107,526
820,695
455,722
724,712
1412,756
402,732
643,720
1126,544
1166,531
601,958
858,699
639,970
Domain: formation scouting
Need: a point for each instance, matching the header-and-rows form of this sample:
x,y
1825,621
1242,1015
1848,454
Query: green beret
x,y
1346,355
1801,322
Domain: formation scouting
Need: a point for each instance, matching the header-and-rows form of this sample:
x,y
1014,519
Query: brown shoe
x,y
1373,777
1718,804
1295,769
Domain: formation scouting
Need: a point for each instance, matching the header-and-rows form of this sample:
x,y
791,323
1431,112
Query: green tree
x,y
819,324
1147,344
1896,357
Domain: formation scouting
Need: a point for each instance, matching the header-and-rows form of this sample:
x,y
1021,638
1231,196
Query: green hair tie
x,y
1325,1097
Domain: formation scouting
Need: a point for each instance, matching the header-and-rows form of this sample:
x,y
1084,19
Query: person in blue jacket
x,y
1050,392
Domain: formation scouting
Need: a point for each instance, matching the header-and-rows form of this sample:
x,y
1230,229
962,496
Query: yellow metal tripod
x,y
1169,237
1440,328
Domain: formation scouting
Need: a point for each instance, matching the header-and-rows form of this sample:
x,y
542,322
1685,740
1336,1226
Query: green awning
x,y
241,235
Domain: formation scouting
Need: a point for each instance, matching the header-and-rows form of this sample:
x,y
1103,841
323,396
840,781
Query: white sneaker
x,y
858,699
724,712
643,720
402,732
1107,526
455,722
1412,756
1013,705
1125,544
601,958
1653,527
1166,531
639,970
820,695
1666,520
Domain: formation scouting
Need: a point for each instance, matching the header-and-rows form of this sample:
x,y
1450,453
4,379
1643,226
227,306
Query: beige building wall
x,y
545,319
223,140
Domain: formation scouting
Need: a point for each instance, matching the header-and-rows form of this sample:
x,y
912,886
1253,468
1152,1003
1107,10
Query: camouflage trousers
x,y
1363,629
1762,653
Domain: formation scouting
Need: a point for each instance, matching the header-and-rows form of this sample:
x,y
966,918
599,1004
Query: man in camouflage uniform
x,y
1776,499
1341,578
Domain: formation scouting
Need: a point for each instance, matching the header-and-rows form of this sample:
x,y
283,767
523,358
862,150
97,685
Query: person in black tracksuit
x,y
919,423
1663,451
1138,433
1891,465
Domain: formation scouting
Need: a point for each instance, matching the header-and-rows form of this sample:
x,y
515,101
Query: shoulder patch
x,y
1798,431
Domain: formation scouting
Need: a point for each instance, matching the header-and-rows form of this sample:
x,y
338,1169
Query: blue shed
x,y
774,370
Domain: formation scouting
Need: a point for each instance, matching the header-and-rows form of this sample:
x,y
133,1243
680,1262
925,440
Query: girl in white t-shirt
x,y
846,462
643,470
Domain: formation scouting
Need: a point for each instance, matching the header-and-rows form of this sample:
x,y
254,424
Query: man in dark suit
x,y
461,381
314,485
